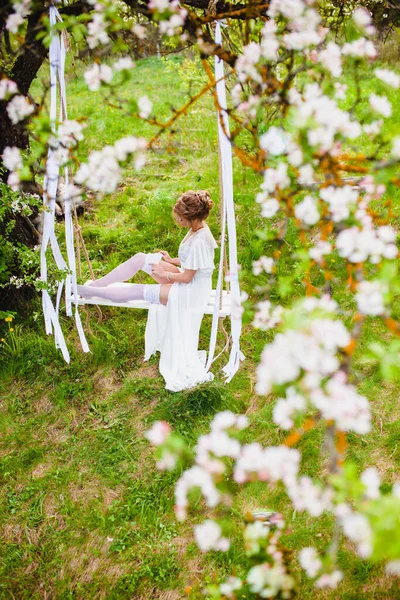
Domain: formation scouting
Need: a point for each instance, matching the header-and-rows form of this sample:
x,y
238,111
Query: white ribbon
x,y
228,219
57,55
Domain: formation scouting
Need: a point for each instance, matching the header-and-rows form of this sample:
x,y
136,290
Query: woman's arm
x,y
168,259
185,277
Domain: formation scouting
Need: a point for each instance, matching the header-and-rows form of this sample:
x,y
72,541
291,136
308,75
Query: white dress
x,y
174,329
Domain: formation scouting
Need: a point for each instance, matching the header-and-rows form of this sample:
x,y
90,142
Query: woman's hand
x,y
158,271
166,256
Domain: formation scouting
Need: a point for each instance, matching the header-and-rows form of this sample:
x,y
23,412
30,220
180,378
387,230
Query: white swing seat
x,y
224,310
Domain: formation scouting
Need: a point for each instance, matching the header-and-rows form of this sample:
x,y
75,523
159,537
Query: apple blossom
x,y
310,561
19,108
380,104
12,158
388,77
145,107
208,537
8,88
329,580
263,264
97,75
158,433
321,249
369,298
340,200
372,482
274,141
307,211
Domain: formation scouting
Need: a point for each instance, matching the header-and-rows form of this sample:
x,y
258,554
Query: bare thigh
x,y
164,292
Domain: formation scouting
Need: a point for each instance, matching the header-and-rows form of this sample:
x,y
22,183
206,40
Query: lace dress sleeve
x,y
199,256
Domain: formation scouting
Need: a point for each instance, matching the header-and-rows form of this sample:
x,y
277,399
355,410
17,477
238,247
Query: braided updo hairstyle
x,y
193,205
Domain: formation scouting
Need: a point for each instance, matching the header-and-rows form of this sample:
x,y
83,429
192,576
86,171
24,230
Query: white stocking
x,y
138,291
128,269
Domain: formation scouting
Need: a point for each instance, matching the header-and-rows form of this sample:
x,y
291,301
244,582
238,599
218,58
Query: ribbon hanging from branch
x,y
57,54
228,221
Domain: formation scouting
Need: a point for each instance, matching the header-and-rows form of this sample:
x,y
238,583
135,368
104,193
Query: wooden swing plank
x,y
224,311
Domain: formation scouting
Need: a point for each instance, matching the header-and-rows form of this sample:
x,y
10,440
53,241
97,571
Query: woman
x,y
178,300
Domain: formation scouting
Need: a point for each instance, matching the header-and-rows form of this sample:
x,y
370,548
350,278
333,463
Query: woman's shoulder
x,y
206,235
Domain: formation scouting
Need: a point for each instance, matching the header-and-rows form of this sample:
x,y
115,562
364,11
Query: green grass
x,y
83,511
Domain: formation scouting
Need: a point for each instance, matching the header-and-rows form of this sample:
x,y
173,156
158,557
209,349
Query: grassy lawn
x,y
84,513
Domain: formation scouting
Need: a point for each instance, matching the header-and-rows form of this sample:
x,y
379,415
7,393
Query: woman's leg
x,y
154,293
128,269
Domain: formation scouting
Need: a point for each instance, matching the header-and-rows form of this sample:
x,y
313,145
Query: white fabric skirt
x,y
173,330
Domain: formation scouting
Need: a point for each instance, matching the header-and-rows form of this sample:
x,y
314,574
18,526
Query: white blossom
x,y
370,478
329,580
102,172
306,175
357,528
267,581
18,109
253,534
276,178
331,59
306,496
267,316
269,206
70,132
195,477
274,141
369,298
245,63
321,249
230,586
286,408
307,211
139,31
373,128
393,567
341,403
125,63
340,200
273,464
158,433
12,158
341,89
292,352
263,264
388,77
269,43
310,561
380,104
7,88
227,419
14,22
396,147
208,537
97,30
362,18
145,107
360,48
359,245
14,181
97,75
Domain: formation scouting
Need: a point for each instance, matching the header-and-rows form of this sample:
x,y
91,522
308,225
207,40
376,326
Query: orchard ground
x,y
84,513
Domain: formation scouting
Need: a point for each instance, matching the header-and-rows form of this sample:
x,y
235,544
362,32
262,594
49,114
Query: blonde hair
x,y
193,205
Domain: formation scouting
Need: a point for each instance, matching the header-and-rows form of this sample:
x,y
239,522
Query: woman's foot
x,y
85,291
